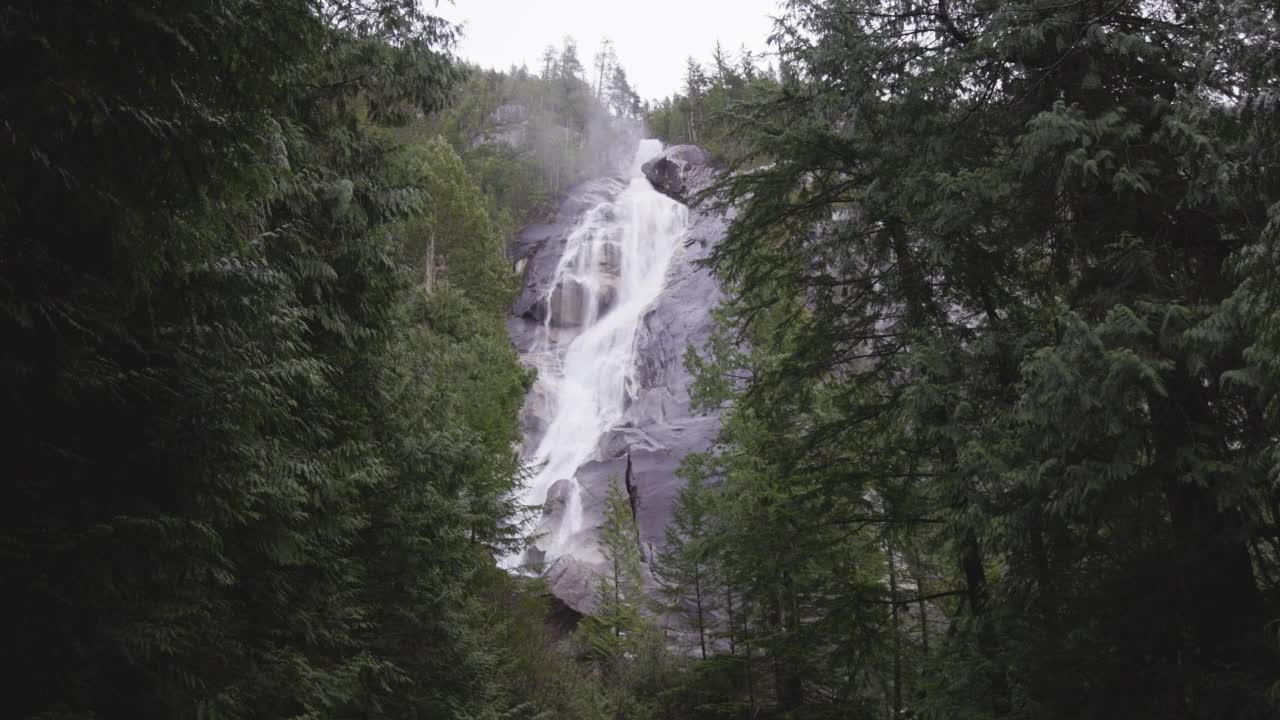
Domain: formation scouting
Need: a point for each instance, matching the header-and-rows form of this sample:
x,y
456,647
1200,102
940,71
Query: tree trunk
x,y
697,596
617,596
924,615
429,275
976,585
728,596
788,683
746,649
897,635
1218,595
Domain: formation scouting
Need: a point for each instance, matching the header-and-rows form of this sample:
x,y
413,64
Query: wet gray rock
x,y
553,507
508,125
594,477
654,488
509,114
616,443
533,415
569,302
681,317
611,257
661,413
659,428
573,581
524,333
648,474
557,497
680,172
540,246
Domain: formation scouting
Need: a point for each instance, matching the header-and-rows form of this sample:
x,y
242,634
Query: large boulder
x,y
623,439
570,301
648,472
573,581
680,172
553,508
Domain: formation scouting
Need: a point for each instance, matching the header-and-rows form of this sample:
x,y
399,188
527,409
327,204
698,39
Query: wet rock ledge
x,y
680,172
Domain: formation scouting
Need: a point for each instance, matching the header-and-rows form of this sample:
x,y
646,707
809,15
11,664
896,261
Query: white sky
x,y
651,38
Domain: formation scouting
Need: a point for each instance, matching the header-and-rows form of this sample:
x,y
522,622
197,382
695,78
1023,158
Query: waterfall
x,y
612,270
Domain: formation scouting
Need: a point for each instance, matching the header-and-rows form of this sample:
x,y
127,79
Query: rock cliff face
x,y
507,125
538,248
656,427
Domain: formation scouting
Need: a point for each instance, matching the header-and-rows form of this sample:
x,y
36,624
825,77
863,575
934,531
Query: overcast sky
x,y
651,38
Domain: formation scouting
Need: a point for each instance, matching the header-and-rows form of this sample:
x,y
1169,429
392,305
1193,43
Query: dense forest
x,y
1000,358
997,362
260,398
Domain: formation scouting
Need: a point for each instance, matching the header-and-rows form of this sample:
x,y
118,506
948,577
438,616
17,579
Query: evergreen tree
x,y
995,352
705,113
622,98
618,639
615,629
695,81
569,64
550,63
604,63
685,568
725,77
254,477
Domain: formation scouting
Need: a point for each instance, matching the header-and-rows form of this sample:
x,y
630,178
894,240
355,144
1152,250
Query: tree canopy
x,y
248,474
997,361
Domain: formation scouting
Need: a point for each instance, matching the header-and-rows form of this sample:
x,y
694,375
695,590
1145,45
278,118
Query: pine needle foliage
x,y
258,468
997,362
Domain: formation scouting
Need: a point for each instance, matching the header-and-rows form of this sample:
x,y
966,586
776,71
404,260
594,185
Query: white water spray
x,y
613,268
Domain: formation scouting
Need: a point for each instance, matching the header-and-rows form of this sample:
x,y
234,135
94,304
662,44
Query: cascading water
x,y
613,268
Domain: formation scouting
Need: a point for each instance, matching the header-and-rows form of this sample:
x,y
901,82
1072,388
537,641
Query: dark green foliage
x,y
999,362
687,568
619,643
261,398
616,629
703,114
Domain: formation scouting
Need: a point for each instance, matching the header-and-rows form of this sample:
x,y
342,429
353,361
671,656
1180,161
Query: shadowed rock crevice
x,y
633,499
